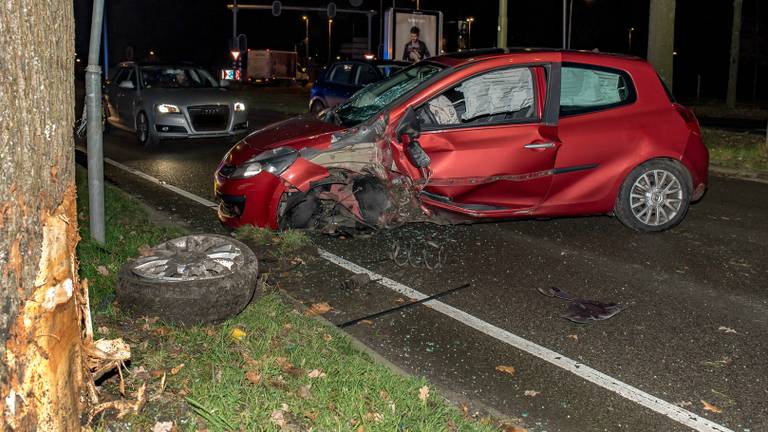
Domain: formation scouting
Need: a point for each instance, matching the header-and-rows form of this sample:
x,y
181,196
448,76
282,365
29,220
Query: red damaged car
x,y
497,134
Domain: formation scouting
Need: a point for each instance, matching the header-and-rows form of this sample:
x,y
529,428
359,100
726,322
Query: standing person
x,y
415,49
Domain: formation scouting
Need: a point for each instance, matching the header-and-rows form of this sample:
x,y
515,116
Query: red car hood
x,y
297,132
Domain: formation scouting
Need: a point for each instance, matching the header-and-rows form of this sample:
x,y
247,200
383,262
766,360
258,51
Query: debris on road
x,y
432,255
318,309
582,311
532,393
711,408
725,361
506,369
725,329
357,281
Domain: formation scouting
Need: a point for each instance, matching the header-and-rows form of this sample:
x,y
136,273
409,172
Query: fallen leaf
x,y
102,270
316,373
512,428
146,250
725,329
157,373
163,427
372,417
288,367
304,392
360,429
278,383
684,404
253,377
210,331
532,393
161,331
103,330
574,337
250,361
176,370
237,333
312,415
506,369
327,338
318,309
424,394
711,408
399,300
384,395
367,322
465,409
278,418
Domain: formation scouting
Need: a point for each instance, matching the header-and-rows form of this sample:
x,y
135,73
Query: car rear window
x,y
342,74
588,88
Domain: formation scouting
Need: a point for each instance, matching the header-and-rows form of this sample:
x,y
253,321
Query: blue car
x,y
339,81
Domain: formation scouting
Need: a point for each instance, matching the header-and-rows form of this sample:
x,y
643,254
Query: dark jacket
x,y
420,47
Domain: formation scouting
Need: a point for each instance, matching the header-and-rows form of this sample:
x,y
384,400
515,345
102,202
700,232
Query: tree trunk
x,y
41,366
661,37
733,70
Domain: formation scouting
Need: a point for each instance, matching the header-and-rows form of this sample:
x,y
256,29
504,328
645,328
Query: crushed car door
x,y
491,141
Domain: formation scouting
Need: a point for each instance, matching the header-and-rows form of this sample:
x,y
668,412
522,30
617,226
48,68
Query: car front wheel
x,y
654,197
144,133
316,107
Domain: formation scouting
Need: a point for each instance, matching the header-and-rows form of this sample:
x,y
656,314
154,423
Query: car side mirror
x,y
416,154
126,85
409,125
223,83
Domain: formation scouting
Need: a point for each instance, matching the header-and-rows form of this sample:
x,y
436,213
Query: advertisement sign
x,y
397,33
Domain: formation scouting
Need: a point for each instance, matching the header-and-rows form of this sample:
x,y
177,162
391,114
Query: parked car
x,y
476,136
162,101
339,81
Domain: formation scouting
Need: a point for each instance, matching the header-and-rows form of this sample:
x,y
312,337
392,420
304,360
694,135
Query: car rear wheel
x,y
316,107
144,133
654,197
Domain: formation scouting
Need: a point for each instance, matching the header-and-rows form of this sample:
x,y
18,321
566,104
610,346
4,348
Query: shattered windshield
x,y
373,98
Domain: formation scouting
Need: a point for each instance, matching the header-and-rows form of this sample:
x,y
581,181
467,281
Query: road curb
x,y
450,396
746,175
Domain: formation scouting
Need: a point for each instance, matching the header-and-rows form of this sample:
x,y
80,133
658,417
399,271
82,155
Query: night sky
x,y
198,31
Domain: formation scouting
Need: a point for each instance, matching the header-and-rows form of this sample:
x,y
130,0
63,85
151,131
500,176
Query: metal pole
x,y
370,35
94,127
565,22
330,26
104,35
501,34
570,23
234,21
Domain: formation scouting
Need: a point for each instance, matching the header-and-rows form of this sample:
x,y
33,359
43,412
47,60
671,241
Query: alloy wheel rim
x,y
192,257
656,197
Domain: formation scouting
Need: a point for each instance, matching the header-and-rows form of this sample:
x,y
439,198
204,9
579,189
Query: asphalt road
x,y
694,330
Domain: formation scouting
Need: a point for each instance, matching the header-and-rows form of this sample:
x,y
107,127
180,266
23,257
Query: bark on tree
x,y
661,37
733,70
41,368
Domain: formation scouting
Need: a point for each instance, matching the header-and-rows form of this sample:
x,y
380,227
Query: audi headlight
x,y
239,107
274,161
168,109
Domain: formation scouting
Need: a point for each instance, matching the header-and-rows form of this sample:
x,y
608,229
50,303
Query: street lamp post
x,y
470,20
306,36
330,34
629,40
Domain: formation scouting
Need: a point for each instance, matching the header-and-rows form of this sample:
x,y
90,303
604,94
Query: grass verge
x,y
269,368
736,150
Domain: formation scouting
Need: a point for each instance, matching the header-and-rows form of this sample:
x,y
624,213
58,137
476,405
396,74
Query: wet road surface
x,y
694,330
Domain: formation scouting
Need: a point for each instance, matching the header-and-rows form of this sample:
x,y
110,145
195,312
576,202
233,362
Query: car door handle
x,y
545,145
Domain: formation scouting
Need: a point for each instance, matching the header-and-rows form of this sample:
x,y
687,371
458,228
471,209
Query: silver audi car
x,y
163,101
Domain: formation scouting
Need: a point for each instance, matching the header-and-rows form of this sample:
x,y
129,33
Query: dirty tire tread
x,y
622,209
190,302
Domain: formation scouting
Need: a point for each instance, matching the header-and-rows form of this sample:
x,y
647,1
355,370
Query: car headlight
x,y
168,109
239,107
274,161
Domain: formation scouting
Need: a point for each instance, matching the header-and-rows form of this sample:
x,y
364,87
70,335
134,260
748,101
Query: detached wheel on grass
x,y
655,196
190,280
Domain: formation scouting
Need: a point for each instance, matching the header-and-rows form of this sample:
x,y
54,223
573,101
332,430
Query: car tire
x,y
316,107
144,133
654,197
144,290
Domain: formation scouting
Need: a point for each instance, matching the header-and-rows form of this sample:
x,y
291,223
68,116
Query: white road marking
x,y
594,376
170,187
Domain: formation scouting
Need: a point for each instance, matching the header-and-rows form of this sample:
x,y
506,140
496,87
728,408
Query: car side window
x,y
586,88
132,78
342,74
366,74
500,96
120,76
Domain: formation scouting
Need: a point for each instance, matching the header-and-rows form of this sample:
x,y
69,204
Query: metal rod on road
x,y
94,127
402,306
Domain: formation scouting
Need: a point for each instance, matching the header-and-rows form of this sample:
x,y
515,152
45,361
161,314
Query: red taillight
x,y
688,117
